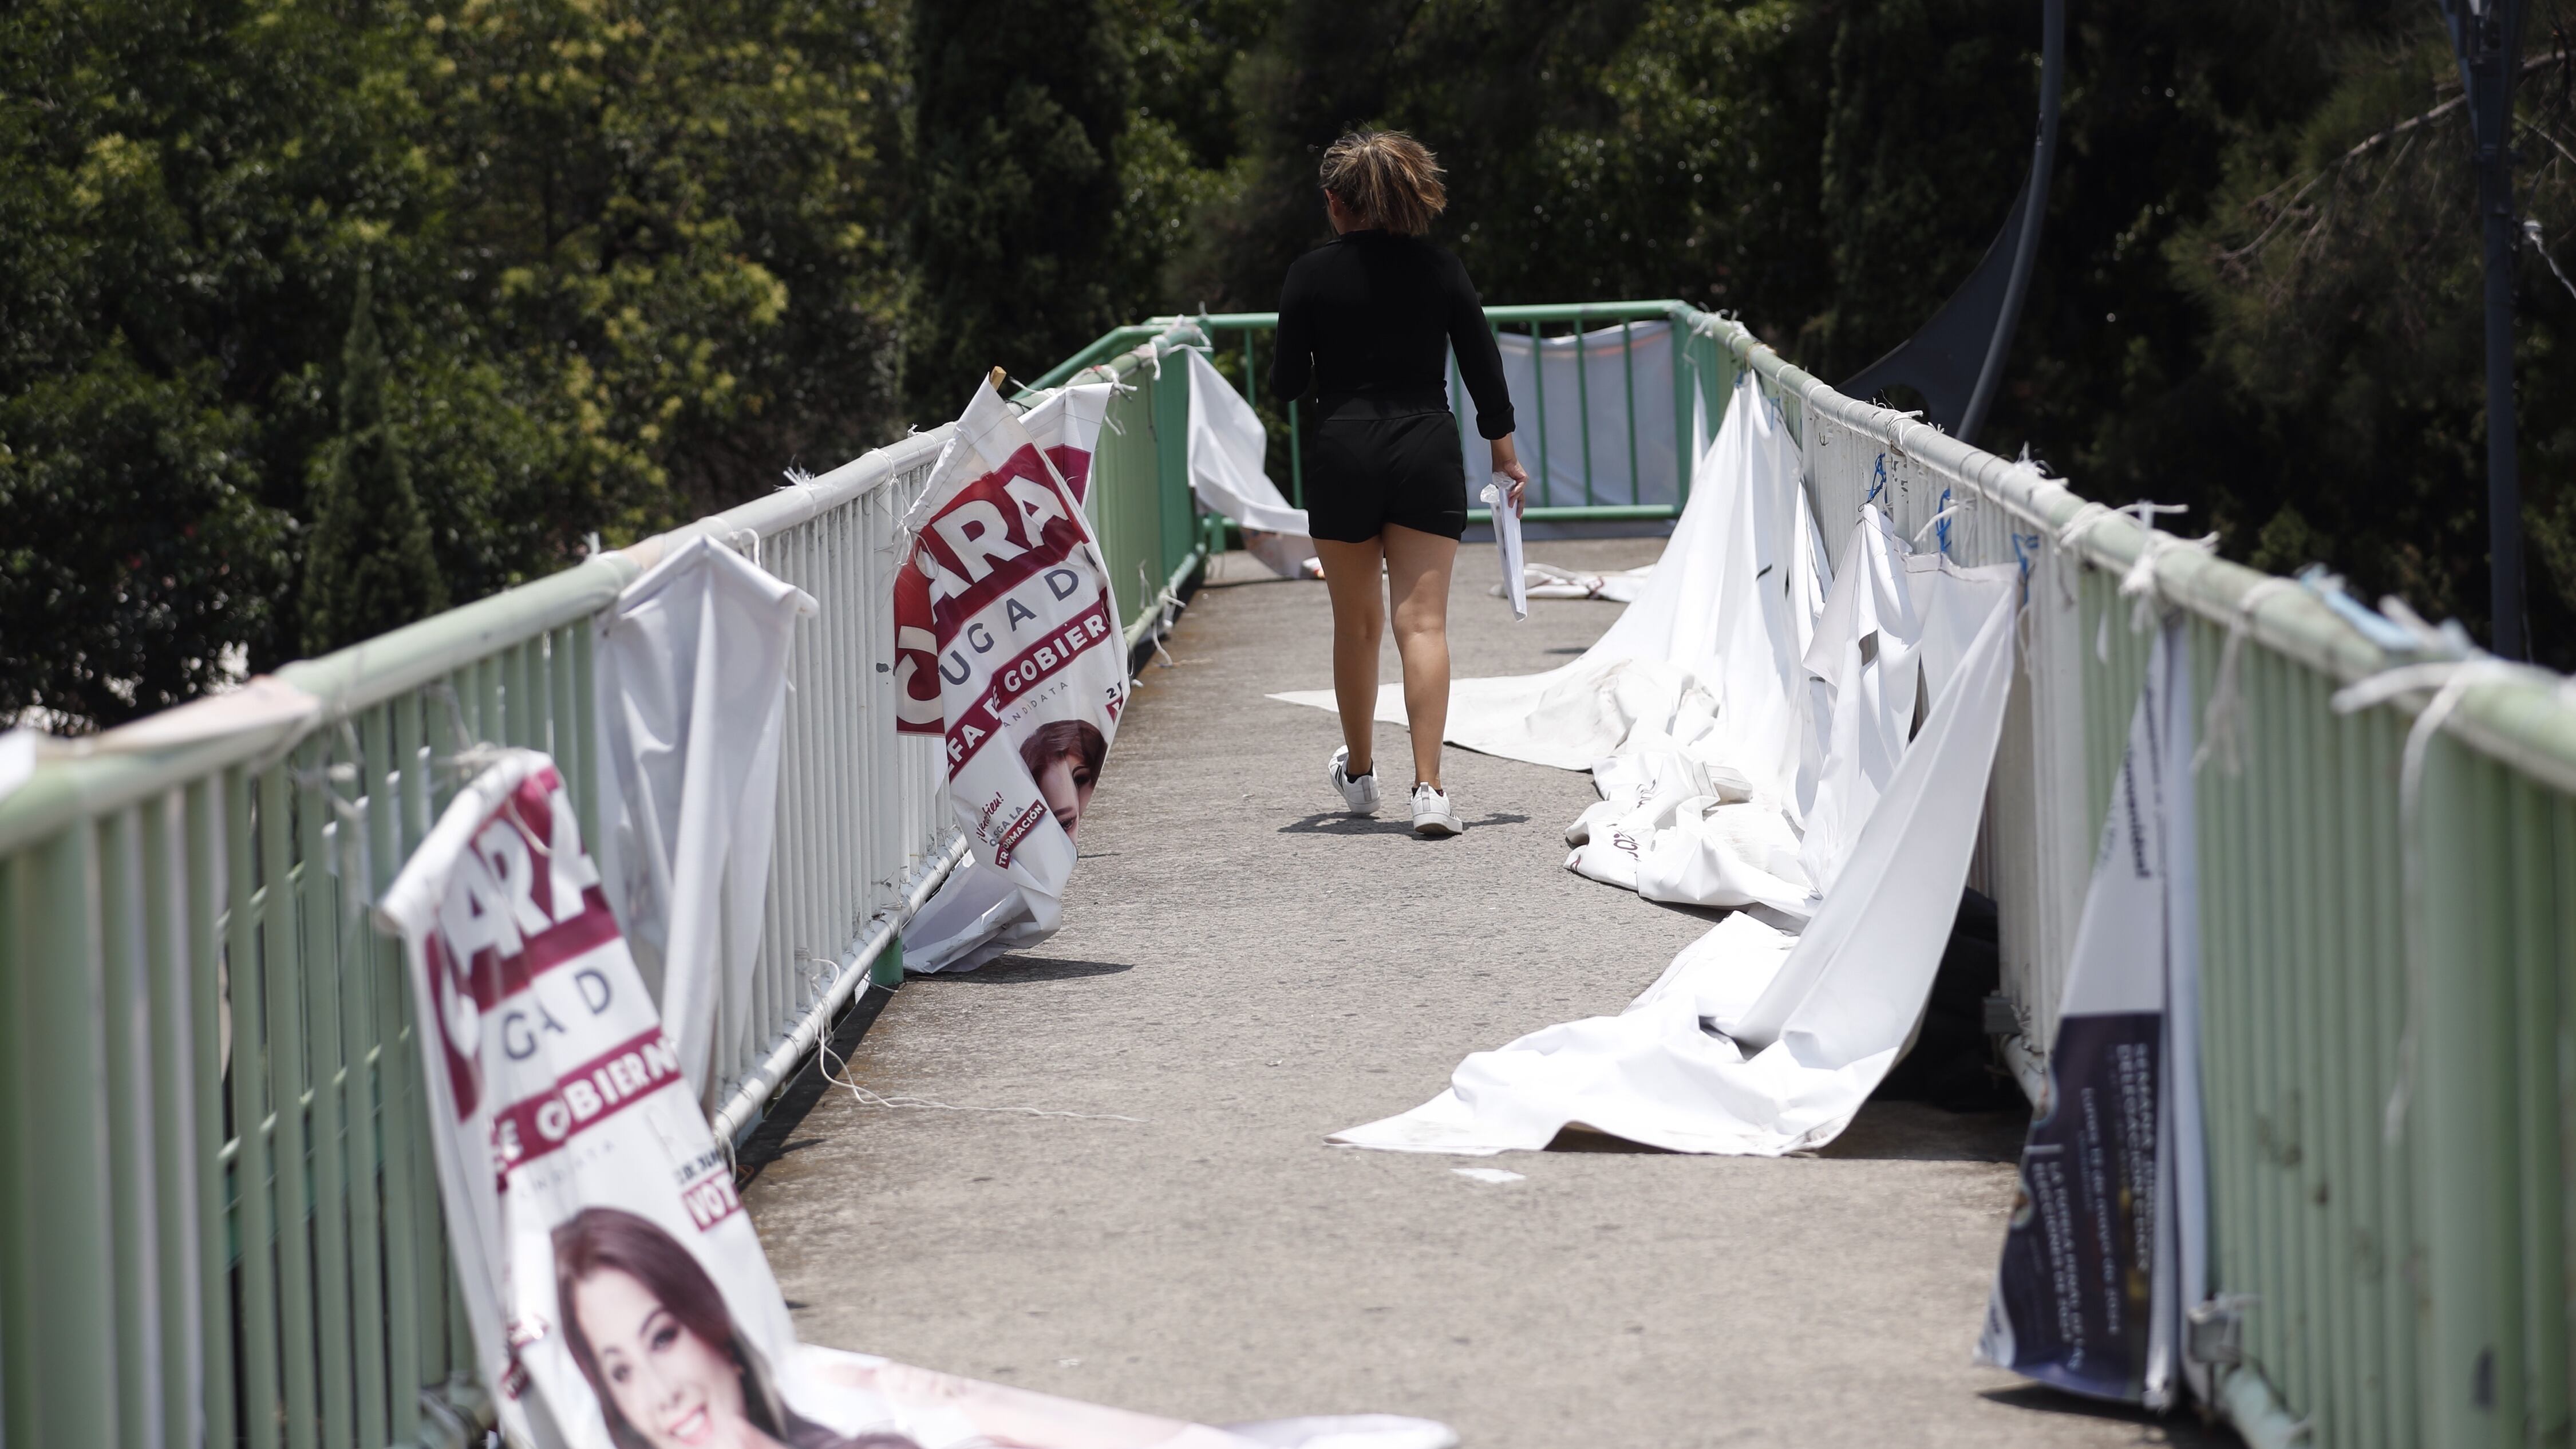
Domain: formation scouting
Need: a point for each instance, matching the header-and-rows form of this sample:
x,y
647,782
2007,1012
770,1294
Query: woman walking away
x,y
1369,321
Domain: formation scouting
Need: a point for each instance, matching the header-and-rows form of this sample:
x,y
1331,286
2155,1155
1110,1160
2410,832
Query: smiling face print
x,y
675,1388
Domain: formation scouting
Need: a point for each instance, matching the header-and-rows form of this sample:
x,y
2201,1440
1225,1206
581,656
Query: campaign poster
x,y
2105,1233
1065,426
617,1295
1025,660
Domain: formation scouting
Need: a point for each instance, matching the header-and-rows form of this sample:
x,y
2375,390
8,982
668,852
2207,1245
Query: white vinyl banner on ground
x,y
1619,380
614,1289
1754,741
1227,445
693,685
1755,1040
2107,1240
1030,665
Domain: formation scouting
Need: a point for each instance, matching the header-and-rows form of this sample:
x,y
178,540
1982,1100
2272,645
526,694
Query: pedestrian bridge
x,y
1097,1168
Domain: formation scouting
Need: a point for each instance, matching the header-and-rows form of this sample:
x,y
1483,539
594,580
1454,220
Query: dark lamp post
x,y
2486,35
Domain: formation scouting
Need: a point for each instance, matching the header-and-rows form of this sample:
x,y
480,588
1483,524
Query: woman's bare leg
x,y
1417,574
1351,573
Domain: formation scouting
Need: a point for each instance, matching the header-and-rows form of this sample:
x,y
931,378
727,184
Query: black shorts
x,y
1373,463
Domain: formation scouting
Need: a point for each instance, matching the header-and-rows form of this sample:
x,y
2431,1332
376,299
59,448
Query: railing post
x,y
1538,394
1172,468
2462,1118
1628,380
1583,407
57,1300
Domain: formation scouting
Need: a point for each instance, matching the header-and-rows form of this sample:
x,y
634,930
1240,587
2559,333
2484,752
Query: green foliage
x,y
631,259
367,565
2342,273
137,568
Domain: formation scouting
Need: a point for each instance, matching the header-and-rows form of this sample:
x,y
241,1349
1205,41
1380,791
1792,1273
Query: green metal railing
x,y
219,1220
2398,1274
1141,505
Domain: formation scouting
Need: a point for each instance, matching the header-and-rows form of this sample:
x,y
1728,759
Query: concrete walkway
x,y
1243,970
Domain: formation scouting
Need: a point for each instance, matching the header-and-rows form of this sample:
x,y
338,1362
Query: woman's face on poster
x,y
678,1390
1064,783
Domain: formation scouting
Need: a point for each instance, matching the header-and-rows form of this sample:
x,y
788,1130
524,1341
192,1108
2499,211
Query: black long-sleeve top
x,y
1374,315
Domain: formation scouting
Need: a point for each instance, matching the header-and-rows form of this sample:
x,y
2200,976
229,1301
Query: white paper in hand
x,y
1507,540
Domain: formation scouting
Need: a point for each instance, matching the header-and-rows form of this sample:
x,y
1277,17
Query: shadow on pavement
x,y
2184,1428
1006,969
1888,1131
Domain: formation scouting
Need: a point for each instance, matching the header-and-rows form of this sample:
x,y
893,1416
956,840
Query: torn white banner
x,y
1755,1041
1547,581
1030,668
1608,424
1227,445
692,690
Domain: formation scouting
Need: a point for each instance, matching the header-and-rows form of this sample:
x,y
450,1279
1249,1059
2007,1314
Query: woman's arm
x,y
1292,367
1480,361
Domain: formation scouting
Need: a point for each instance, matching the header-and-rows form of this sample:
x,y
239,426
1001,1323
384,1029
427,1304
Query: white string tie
x,y
838,1075
2224,722
2140,582
2450,680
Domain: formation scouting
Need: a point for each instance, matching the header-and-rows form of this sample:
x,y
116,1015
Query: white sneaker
x,y
1432,813
1360,795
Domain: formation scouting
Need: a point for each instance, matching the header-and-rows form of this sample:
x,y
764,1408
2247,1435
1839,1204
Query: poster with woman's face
x,y
617,1294
1005,619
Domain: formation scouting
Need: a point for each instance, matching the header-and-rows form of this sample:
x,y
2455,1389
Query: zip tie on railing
x,y
2450,680
1948,512
2025,547
2224,722
351,816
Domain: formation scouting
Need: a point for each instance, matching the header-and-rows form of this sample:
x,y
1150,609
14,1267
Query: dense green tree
x,y
2341,270
631,259
1018,116
137,566
368,567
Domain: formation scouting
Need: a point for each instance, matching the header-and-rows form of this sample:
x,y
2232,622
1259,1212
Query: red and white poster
x,y
617,1295
1008,645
